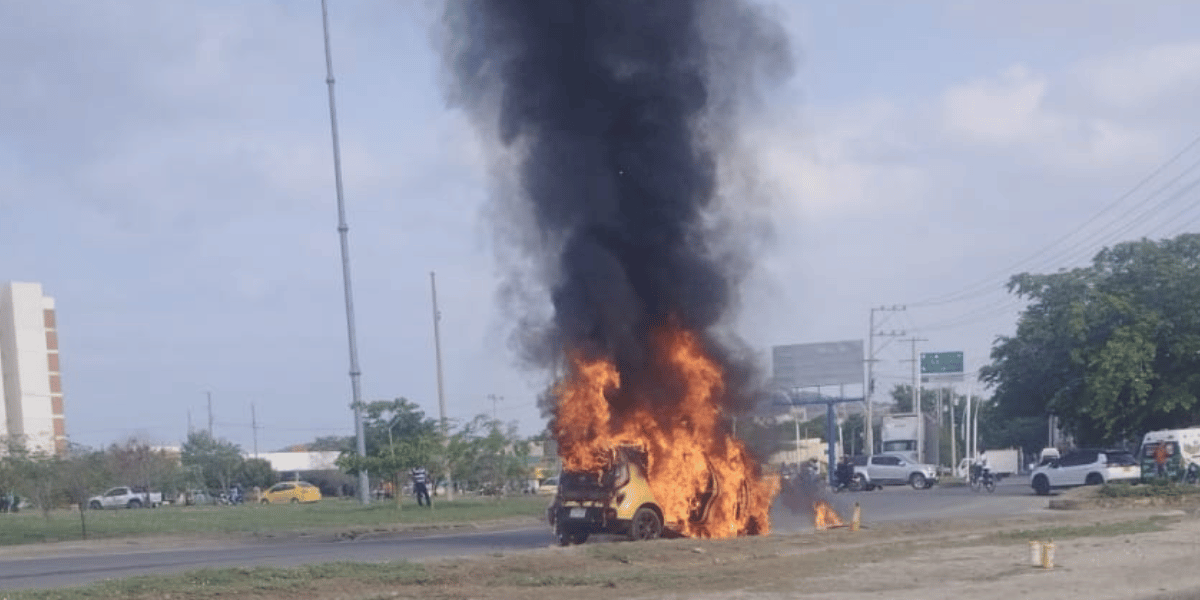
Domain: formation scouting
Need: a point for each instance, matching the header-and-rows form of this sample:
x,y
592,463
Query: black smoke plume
x,y
608,119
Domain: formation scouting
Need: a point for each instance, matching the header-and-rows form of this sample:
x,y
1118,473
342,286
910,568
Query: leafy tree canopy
x,y
217,461
1112,349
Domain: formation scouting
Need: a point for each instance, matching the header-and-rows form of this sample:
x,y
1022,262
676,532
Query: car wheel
x,y
265,501
135,503
918,481
295,501
566,536
1041,485
645,525
1093,479
95,505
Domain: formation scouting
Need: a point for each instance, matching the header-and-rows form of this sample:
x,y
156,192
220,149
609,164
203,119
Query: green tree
x,y
331,443
216,460
487,456
902,396
1112,349
138,464
83,473
398,436
256,472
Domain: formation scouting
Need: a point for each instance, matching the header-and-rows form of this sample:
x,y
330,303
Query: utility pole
x,y
437,350
210,415
916,391
495,412
364,482
254,428
869,389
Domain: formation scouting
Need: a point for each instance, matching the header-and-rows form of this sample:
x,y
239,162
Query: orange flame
x,y
692,460
824,516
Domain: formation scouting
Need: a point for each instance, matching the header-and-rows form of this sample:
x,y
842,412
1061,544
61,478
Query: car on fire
x,y
615,500
618,500
1084,466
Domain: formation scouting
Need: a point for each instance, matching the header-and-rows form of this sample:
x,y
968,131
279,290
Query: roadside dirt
x,y
1099,555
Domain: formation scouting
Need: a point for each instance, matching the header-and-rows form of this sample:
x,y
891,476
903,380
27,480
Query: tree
x,y
216,460
256,472
139,464
331,443
487,456
83,473
902,396
398,436
1112,349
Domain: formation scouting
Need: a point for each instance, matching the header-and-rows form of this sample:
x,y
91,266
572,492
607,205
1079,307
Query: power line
x,y
990,279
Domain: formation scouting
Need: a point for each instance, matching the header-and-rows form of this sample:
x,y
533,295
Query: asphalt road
x,y
33,568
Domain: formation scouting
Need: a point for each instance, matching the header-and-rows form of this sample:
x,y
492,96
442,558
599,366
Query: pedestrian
x,y
420,478
1160,459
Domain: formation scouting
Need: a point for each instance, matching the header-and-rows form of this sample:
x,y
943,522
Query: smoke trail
x,y
609,118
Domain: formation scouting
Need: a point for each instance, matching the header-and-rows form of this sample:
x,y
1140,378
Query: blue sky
x,y
168,178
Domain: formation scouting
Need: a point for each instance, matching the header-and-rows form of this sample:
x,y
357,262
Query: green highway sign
x,y
941,362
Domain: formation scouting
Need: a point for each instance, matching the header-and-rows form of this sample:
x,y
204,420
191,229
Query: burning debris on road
x,y
608,123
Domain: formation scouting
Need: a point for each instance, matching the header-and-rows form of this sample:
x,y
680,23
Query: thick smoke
x,y
608,119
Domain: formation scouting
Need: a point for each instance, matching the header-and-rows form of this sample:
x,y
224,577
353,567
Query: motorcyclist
x,y
979,469
844,472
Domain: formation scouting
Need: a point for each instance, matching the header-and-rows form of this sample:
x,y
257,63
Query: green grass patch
x,y
1077,531
264,520
212,583
1154,488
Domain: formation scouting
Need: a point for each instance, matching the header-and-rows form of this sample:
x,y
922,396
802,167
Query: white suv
x,y
1084,467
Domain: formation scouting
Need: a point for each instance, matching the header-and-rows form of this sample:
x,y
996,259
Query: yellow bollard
x,y
1035,553
856,518
1048,555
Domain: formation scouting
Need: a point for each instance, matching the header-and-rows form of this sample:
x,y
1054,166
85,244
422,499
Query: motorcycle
x,y
981,478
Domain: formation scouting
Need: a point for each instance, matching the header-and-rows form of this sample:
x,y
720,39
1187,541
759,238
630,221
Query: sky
x,y
168,178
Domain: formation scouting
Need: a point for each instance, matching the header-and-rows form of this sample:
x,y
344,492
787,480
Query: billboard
x,y
812,365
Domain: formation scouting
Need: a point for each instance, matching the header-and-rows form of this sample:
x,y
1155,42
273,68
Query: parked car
x,y
291,491
126,497
1084,466
893,469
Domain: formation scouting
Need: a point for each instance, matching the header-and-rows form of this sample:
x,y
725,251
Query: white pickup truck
x,y
125,497
878,470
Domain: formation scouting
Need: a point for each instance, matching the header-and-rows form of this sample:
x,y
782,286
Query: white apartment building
x,y
31,400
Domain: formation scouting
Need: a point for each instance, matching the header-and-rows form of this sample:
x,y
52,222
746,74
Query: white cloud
x,y
1014,112
844,164
1144,75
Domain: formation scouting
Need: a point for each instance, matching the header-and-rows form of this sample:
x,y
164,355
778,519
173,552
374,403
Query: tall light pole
x,y
364,482
437,352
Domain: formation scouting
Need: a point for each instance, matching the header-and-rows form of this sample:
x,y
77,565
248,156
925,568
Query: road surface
x,y
41,567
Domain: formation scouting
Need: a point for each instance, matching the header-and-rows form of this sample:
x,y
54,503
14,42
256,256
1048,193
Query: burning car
x,y
618,500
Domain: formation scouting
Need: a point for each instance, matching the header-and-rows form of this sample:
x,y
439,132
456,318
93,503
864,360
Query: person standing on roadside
x,y
420,478
1160,459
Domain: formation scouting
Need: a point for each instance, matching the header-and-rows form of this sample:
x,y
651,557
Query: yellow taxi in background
x,y
291,491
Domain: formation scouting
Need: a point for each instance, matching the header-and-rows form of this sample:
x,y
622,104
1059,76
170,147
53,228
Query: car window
x,y
859,461
1077,458
889,461
1121,458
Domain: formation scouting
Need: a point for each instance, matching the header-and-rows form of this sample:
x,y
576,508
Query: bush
x,y
1154,488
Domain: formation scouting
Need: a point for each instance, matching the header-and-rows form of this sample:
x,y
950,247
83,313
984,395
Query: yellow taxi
x,y
291,491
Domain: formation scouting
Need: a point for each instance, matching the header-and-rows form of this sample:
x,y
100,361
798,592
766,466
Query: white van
x,y
1183,454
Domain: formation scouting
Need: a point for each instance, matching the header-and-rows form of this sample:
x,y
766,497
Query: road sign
x,y
941,362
